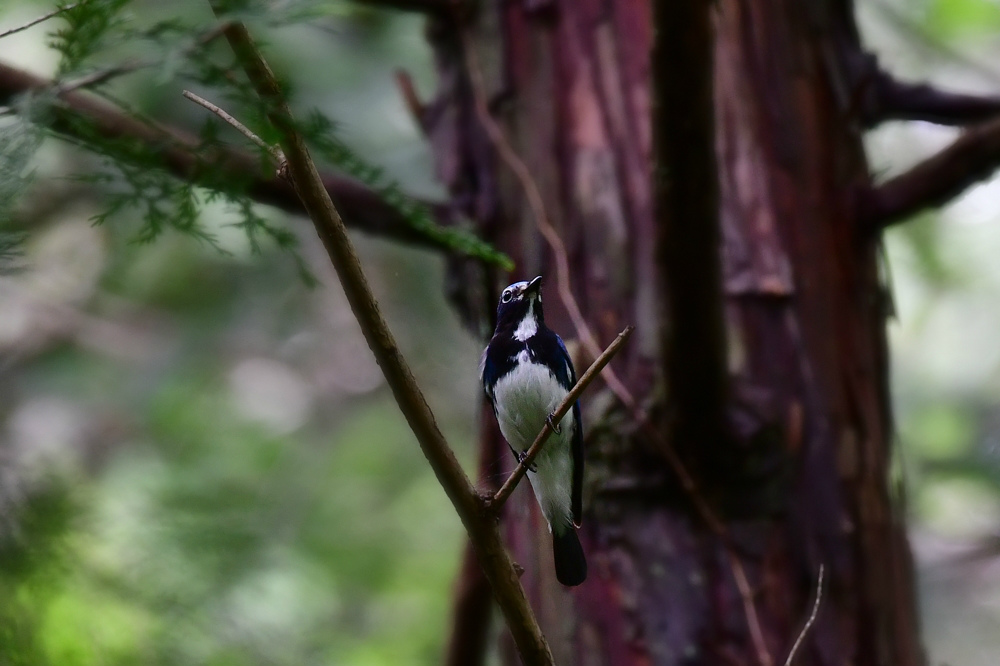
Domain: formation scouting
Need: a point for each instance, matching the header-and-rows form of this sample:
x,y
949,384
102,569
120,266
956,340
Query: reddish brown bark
x,y
801,476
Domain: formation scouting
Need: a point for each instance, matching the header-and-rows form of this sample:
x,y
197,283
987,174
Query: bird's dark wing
x,y
564,368
576,493
562,346
567,377
488,374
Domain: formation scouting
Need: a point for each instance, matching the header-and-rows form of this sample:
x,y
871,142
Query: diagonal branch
x,y
809,620
973,157
481,526
533,194
590,375
44,17
274,151
363,209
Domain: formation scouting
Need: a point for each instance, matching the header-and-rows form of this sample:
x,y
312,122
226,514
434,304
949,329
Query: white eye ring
x,y
505,298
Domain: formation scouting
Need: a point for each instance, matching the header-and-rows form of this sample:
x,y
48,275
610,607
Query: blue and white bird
x,y
527,373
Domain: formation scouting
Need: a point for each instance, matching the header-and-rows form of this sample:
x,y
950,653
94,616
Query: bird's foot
x,y
521,457
556,428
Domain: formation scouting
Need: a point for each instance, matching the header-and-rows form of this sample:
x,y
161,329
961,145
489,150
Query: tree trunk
x,y
801,476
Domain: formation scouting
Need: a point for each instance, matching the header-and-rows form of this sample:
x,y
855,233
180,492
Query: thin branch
x,y
102,75
750,609
533,195
482,528
812,618
973,157
181,155
44,17
888,98
275,152
408,91
590,375
537,204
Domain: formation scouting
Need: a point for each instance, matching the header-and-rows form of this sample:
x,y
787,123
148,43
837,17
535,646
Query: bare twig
x,y
973,157
592,372
812,618
750,609
537,205
482,528
44,17
410,97
101,76
181,155
275,152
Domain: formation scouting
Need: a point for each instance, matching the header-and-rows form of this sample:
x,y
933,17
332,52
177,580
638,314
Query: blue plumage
x,y
527,372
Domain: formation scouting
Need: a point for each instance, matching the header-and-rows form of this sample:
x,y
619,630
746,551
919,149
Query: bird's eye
x,y
505,298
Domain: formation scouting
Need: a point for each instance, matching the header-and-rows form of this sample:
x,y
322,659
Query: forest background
x,y
200,462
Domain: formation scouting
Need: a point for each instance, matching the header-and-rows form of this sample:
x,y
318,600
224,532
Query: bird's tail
x,y
571,565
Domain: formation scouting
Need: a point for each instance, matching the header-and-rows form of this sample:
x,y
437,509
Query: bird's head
x,y
519,301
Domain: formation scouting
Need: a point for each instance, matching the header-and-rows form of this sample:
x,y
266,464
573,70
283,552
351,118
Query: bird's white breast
x,y
528,326
524,398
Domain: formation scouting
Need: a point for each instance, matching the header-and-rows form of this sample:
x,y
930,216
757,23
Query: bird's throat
x,y
528,326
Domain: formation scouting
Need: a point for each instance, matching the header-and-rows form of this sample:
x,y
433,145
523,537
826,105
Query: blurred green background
x,y
200,463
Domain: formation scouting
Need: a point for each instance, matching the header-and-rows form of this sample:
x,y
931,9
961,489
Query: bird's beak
x,y
534,286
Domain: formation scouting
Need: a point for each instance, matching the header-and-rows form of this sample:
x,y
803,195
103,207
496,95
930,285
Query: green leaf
x,y
88,24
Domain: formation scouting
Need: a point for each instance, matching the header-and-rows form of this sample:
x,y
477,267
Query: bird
x,y
526,373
